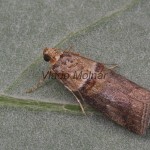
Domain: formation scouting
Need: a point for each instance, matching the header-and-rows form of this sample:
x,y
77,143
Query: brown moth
x,y
118,98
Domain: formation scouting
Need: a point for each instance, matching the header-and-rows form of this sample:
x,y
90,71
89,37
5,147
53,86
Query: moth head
x,y
51,55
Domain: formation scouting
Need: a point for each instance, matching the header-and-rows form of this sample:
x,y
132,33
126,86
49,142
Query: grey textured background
x,y
109,31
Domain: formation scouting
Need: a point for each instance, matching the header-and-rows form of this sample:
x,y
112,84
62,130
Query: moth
x,y
118,98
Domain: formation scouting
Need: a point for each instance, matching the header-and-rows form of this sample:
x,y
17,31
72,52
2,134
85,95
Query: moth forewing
x,y
118,98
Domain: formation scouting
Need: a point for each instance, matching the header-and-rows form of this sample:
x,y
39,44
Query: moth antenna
x,y
70,49
81,96
79,103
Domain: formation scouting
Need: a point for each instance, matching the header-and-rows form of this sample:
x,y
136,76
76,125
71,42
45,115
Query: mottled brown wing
x,y
123,101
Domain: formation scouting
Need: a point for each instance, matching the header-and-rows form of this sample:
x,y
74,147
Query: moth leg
x,y
70,49
39,84
112,66
77,100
